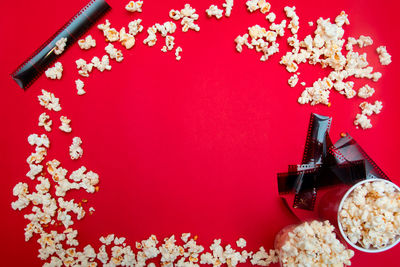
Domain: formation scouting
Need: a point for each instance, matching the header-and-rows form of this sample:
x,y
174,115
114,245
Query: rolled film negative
x,y
45,55
346,149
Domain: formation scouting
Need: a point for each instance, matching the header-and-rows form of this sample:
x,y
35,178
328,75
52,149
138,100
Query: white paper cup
x,y
370,250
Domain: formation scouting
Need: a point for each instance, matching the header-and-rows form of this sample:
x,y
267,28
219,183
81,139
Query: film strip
x,y
324,165
31,69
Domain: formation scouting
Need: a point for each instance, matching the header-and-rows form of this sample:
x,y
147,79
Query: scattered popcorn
x,y
188,16
312,244
65,127
168,27
114,53
370,215
135,27
49,101
103,64
271,17
363,121
34,170
83,68
366,91
369,109
213,10
55,72
60,46
151,38
384,57
133,6
35,140
87,43
111,34
169,43
293,80
79,87
228,5
178,50
241,243
45,122
262,5
318,93
126,39
75,149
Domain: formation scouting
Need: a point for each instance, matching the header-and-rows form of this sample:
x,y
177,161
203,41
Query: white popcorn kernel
x,y
342,19
261,5
175,14
135,27
271,17
104,26
384,57
35,140
55,72
87,43
368,109
293,80
126,39
83,68
366,91
151,38
60,46
34,170
213,10
178,50
242,40
228,5
133,6
65,127
169,43
49,101
111,35
310,23
362,121
37,156
364,41
75,149
241,242
185,237
103,64
45,122
79,87
114,53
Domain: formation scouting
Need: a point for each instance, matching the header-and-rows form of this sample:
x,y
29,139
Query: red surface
x,y
190,146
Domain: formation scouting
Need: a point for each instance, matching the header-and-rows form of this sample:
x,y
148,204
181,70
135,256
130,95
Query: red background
x,y
190,146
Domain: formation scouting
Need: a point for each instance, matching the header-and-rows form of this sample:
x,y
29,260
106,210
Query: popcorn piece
x,y
293,80
366,91
133,6
126,39
213,10
87,43
105,26
34,170
151,38
169,43
178,50
369,216
55,72
318,93
75,149
35,140
37,156
45,122
228,5
79,87
108,239
364,41
241,243
103,64
83,67
362,121
342,19
271,17
175,14
242,40
310,23
168,27
188,16
368,109
111,34
262,5
114,53
60,46
65,127
313,244
185,237
384,57
49,101
135,27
